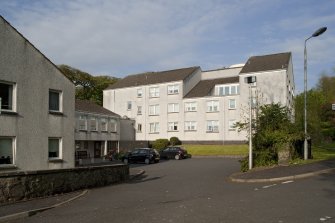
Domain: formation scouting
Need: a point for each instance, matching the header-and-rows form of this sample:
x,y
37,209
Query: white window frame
x,y
154,127
232,105
60,100
212,126
154,92
139,127
11,154
60,146
93,124
173,126
190,126
129,105
191,106
173,107
82,119
173,89
11,97
154,109
139,110
104,125
213,106
227,89
113,125
231,124
139,92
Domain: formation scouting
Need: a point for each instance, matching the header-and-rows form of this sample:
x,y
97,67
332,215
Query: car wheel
x,y
177,157
125,161
147,161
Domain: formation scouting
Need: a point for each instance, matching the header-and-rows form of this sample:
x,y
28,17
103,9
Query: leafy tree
x,y
88,87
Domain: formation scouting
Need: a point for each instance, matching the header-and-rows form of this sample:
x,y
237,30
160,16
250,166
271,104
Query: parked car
x,y
141,155
174,152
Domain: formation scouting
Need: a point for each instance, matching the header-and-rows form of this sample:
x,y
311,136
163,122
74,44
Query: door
x,y
97,149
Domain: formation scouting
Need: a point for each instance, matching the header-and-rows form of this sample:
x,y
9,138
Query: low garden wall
x,y
16,186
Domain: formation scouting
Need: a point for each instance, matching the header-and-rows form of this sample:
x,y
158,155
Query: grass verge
x,y
217,150
322,152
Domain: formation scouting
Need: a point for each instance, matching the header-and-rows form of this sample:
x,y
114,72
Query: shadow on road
x,y
142,178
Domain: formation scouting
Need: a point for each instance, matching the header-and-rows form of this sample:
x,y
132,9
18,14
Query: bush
x,y
175,141
160,144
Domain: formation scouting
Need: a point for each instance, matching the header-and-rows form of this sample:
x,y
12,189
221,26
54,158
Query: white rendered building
x,y
200,106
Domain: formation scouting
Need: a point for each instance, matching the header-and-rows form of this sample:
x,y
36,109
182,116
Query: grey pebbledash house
x,y
37,107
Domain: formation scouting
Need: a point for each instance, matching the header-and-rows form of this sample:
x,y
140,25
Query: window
x,y
154,110
54,148
154,92
6,95
223,90
103,123
173,89
6,150
190,106
173,126
232,124
212,106
213,126
232,104
154,127
139,110
113,125
139,127
128,105
93,124
190,126
55,101
82,122
139,93
173,107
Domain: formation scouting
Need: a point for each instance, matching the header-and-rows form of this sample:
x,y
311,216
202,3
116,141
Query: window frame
x,y
11,156
95,121
213,104
154,92
174,126
11,97
212,126
82,118
129,106
139,110
139,92
60,147
154,127
60,101
174,106
113,125
154,110
191,106
232,122
103,125
230,107
190,126
227,89
139,127
173,89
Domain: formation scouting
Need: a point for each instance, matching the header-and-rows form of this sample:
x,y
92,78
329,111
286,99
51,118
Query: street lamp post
x,y
315,34
250,80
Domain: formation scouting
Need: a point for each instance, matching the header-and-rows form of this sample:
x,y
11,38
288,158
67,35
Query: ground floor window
x,y
6,150
55,148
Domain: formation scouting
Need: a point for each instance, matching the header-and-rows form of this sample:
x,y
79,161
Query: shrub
x,y
160,144
175,141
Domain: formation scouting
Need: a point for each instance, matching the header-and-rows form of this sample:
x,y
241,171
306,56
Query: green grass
x,y
320,152
217,150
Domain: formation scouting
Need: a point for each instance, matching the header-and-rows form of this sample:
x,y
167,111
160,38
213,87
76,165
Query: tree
x,y
88,87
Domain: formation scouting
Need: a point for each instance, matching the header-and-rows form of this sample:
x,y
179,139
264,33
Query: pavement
x,y
22,209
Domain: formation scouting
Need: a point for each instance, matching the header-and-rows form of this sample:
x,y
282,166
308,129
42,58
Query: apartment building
x,y
37,107
201,106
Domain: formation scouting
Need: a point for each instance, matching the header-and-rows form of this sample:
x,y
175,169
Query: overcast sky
x,y
122,37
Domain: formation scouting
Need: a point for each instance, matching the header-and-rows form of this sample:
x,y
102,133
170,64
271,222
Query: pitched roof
x,y
91,107
154,78
267,62
203,88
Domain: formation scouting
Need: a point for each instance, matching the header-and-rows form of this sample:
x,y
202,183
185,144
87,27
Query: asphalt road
x,y
197,190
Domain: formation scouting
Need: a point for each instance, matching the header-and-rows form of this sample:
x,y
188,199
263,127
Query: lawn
x,y
319,152
217,150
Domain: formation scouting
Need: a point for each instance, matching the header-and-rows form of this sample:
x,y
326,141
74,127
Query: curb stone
x,y
35,211
234,177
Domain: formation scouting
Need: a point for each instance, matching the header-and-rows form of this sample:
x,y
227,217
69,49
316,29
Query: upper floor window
x,y
139,127
213,126
93,124
82,122
139,92
231,89
190,106
7,96
154,92
190,126
55,148
212,106
113,125
173,89
129,105
154,127
232,104
6,150
173,107
173,126
103,123
139,110
55,100
154,110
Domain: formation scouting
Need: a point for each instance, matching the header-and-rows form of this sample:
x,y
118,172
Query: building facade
x,y
37,107
201,106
